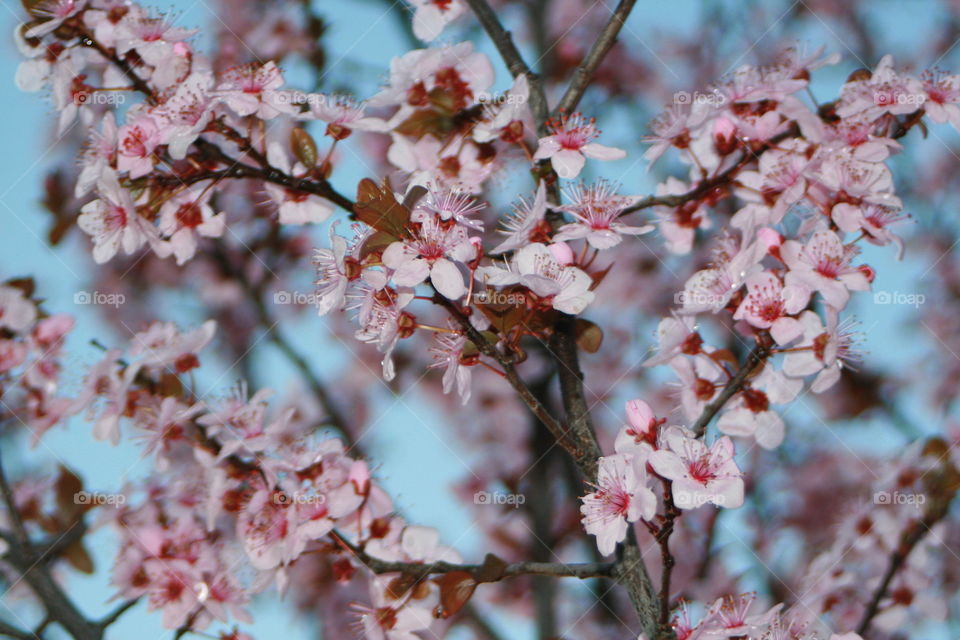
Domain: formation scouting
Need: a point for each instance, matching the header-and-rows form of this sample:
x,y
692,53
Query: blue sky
x,y
360,32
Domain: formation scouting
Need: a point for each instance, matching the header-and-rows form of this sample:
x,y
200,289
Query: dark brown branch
x,y
490,350
666,557
511,56
584,73
334,415
756,356
115,615
486,572
11,631
563,346
630,571
909,539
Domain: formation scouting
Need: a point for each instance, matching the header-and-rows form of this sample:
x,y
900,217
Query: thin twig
x,y
503,41
584,73
756,356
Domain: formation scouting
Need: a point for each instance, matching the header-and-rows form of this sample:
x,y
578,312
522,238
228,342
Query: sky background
x,y
361,34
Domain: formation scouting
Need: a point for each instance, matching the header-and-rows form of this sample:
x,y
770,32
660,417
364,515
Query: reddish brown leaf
x,y
589,335
379,208
456,588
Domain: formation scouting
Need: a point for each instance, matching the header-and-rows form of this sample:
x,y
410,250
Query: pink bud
x,y
770,238
562,252
639,415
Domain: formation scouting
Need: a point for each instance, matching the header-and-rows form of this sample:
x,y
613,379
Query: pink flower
x,y
185,114
266,526
113,221
163,345
255,89
56,12
621,496
526,223
535,266
450,354
432,252
98,156
431,16
188,215
749,414
675,335
571,143
823,264
16,312
679,225
597,210
699,474
507,117
640,434
943,94
769,305
448,204
873,219
729,617
295,207
137,142
341,113
824,351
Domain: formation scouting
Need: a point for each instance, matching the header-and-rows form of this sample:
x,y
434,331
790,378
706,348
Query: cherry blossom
x,y
699,474
567,288
621,496
571,143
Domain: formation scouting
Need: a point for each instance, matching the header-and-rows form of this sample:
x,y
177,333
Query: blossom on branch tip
x,y
571,142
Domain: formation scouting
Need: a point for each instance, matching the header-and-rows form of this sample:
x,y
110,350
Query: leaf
x,y
303,147
378,241
589,335
492,569
78,557
66,488
424,121
379,208
456,588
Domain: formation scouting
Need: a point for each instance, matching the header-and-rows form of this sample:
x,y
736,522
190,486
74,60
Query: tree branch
x,y
511,56
584,73
756,356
